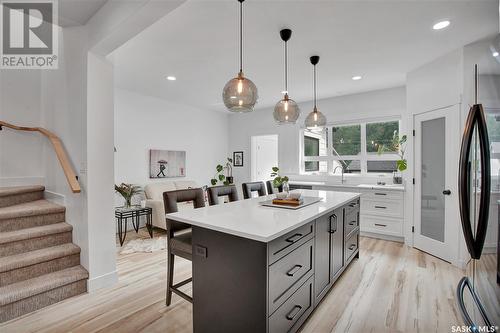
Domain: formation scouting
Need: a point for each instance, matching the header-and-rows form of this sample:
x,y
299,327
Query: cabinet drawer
x,y
386,226
389,208
351,207
351,222
286,272
280,247
290,316
383,195
351,245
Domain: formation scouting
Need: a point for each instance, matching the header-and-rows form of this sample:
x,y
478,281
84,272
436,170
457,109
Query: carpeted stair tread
x,y
28,288
33,208
15,190
17,261
28,233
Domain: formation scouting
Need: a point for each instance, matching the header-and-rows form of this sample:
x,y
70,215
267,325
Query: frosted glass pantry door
x,y
437,143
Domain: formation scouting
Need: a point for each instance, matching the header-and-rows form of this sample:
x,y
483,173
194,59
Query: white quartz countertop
x,y
389,187
248,219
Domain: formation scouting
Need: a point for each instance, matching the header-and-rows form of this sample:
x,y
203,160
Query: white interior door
x,y
437,145
264,156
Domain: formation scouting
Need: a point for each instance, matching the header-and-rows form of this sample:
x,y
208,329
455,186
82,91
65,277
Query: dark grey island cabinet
x,y
242,284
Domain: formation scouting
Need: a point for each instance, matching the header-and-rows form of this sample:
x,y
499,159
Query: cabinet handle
x,y
380,225
352,223
291,240
294,312
333,224
294,270
352,247
381,207
378,193
352,204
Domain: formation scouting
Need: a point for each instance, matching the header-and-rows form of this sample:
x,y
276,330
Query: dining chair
x,y
248,188
273,190
215,192
179,237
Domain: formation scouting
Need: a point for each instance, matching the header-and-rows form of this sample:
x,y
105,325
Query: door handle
x,y
474,243
294,270
465,283
352,247
446,192
294,312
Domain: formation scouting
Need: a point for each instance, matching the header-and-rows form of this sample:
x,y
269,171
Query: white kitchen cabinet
x,y
382,209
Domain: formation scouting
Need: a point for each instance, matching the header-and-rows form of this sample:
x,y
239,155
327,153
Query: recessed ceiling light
x,y
356,78
171,78
441,25
495,54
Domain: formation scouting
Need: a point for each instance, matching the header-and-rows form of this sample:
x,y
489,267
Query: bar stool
x,y
273,190
248,188
215,192
179,237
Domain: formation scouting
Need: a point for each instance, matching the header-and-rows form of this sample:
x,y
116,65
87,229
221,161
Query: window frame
x,y
363,156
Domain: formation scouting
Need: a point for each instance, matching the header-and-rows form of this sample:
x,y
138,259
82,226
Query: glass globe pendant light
x,y
240,94
286,110
315,119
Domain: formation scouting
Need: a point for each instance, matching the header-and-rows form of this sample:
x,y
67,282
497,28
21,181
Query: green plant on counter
x,y
397,145
219,175
278,180
128,191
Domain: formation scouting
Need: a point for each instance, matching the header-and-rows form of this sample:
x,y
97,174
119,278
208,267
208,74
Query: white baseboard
x,y
380,236
103,281
21,181
55,198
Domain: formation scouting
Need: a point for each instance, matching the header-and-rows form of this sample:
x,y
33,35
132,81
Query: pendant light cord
x,y
286,68
241,36
475,84
314,71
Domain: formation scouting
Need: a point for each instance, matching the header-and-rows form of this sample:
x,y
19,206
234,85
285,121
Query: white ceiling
x,y
77,12
380,40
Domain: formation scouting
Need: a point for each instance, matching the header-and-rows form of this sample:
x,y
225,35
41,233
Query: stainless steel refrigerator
x,y
478,292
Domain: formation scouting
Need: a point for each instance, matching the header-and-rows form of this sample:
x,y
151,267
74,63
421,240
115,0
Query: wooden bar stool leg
x,y
170,277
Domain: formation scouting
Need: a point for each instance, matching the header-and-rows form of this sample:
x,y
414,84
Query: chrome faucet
x,y
342,169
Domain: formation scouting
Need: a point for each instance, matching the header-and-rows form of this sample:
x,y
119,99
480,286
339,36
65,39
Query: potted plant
x,y
127,191
279,180
219,176
398,145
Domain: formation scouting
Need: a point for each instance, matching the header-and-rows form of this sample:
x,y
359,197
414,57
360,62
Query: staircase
x,y
39,264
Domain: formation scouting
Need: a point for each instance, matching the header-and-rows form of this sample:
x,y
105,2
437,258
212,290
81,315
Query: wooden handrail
x,y
59,149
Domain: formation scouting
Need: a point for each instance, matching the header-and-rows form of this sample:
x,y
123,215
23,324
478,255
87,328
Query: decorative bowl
x,y
281,195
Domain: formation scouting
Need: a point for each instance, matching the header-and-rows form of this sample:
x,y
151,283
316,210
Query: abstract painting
x,y
167,163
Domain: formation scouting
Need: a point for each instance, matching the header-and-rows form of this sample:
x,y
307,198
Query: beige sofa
x,y
154,198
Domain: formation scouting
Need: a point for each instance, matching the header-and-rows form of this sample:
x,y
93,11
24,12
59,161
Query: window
x,y
346,140
378,134
315,146
381,166
354,148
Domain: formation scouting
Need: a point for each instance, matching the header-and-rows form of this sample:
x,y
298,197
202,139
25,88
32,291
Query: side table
x,y
123,214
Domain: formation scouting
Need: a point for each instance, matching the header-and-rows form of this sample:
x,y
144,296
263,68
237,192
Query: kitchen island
x,y
264,269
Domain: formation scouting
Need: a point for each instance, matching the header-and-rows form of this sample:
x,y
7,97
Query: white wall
x,y
21,154
100,173
143,123
369,105
432,86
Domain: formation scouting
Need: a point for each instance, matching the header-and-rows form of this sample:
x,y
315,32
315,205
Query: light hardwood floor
x,y
391,288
